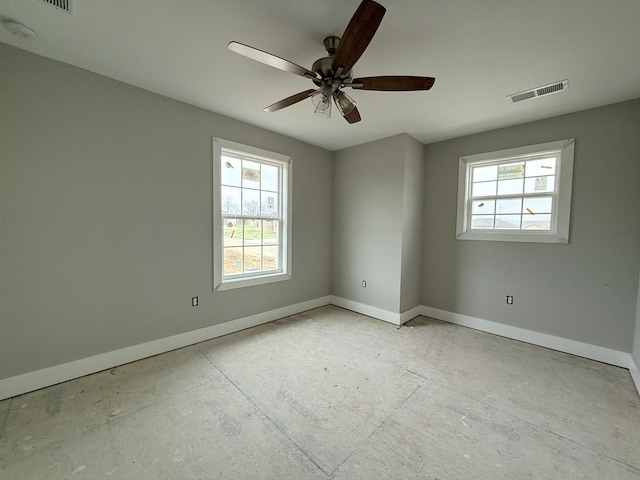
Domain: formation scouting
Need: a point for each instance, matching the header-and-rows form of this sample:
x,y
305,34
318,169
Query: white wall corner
x,y
634,364
30,381
634,369
368,310
410,314
580,349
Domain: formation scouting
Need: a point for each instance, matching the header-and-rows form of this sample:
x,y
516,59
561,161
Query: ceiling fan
x,y
333,73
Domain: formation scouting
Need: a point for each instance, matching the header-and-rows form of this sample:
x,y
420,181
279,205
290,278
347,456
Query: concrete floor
x,y
333,394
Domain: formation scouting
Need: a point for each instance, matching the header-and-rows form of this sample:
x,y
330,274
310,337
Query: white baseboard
x,y
368,310
19,384
586,350
375,312
634,369
410,314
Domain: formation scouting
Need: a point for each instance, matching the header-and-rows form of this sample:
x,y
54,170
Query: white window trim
x,y
564,176
220,284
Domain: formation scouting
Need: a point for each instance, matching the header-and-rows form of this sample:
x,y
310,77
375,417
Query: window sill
x,y
250,282
546,237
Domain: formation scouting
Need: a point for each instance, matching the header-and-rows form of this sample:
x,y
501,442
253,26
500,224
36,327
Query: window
x,y
251,216
517,195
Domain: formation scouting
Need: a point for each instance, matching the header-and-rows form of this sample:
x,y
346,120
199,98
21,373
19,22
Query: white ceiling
x,y
480,51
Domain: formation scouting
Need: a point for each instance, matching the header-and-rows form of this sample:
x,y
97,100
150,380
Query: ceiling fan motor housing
x,y
324,66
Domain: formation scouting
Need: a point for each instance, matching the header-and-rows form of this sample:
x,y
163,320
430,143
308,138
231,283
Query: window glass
x,y
517,194
251,212
484,189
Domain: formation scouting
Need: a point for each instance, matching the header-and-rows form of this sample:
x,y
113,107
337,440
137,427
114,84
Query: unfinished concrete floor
x,y
333,394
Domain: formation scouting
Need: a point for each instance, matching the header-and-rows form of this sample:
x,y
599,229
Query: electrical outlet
x,y
364,284
509,299
194,301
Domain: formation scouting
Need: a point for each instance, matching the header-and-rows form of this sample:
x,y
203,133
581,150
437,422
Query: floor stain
x,y
230,426
54,400
505,430
5,417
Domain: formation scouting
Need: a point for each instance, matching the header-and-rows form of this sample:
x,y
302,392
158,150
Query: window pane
x,y
483,189
483,174
251,222
251,174
230,203
232,260
510,187
269,178
508,222
230,171
483,207
232,232
536,222
271,234
482,222
269,204
510,171
509,205
252,259
270,258
543,166
534,206
250,202
252,232
515,195
540,184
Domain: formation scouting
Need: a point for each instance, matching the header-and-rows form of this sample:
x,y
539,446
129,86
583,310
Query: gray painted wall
x,y
367,222
411,275
377,223
586,290
105,216
636,343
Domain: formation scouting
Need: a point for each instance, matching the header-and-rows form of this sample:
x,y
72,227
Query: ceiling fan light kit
x,y
334,72
322,100
344,102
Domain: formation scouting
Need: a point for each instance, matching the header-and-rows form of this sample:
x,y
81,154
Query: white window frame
x,y
220,281
561,211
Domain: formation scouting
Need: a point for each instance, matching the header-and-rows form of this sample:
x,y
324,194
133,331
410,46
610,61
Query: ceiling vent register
x,y
539,91
64,5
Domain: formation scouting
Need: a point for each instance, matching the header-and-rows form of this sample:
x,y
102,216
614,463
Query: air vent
x,y
523,96
539,91
59,4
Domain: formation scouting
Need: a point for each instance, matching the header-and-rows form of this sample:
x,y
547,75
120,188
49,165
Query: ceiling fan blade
x,y
271,60
298,97
392,83
358,35
353,116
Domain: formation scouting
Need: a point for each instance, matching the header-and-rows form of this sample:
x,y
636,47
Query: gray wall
x,y
636,343
367,226
411,275
377,223
105,216
586,290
